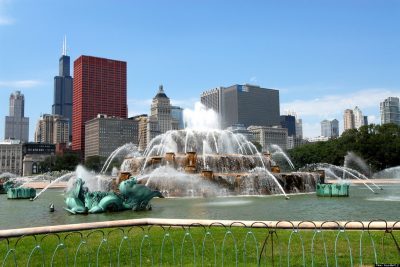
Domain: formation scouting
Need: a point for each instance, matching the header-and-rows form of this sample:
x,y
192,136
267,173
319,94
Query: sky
x,y
323,56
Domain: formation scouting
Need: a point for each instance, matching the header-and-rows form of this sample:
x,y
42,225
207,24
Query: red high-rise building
x,y
99,88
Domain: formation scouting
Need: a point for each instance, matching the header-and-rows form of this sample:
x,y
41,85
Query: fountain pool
x,y
360,205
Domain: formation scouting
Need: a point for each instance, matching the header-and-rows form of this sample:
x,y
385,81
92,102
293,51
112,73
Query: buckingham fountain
x,y
187,163
190,162
198,161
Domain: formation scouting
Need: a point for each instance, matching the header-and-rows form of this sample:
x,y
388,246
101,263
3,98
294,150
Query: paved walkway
x,y
376,181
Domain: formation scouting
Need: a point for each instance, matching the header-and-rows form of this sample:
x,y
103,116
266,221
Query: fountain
x,y
21,193
10,185
129,148
354,162
277,150
345,172
393,172
202,160
208,162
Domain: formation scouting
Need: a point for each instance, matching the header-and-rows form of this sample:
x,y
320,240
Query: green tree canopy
x,y
68,161
378,145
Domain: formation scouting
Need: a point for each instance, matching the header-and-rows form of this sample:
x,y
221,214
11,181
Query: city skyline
x,y
323,58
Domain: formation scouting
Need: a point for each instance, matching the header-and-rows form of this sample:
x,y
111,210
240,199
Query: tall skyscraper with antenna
x,y
62,103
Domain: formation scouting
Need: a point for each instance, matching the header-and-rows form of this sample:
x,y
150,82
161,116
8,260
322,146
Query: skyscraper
x,y
177,114
17,126
244,104
161,119
299,128
353,119
52,129
365,120
358,118
348,120
99,88
62,103
142,121
289,122
335,128
330,128
390,110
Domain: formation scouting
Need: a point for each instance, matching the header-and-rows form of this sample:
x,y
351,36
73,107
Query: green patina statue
x,y
5,186
131,196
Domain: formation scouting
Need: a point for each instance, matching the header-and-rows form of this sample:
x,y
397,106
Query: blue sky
x,y
323,56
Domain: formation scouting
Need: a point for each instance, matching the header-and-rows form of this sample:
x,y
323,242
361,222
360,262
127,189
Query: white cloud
x,y
311,129
373,119
253,79
184,103
142,106
20,84
139,102
332,106
6,20
138,106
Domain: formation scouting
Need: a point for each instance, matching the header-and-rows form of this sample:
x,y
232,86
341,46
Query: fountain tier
x,y
202,163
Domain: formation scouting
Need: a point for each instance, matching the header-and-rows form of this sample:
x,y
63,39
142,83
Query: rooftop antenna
x,y
64,49
65,38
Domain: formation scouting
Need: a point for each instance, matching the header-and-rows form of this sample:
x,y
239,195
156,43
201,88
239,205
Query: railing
x,y
173,242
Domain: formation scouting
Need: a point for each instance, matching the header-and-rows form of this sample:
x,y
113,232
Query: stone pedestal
x,y
191,162
275,169
207,174
123,176
170,158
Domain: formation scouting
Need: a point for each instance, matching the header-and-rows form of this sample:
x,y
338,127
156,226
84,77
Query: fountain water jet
x,y
65,176
393,172
278,150
343,170
130,148
202,151
221,157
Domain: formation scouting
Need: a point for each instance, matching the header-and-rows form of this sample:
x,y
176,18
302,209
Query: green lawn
x,y
197,245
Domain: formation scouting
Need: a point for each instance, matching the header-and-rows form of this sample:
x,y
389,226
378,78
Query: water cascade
x,y
278,150
207,162
342,170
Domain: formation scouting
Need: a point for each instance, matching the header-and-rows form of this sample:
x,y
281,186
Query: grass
x,y
200,246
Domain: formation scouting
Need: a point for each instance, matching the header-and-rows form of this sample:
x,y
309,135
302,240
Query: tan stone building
x,y
142,121
348,119
267,136
11,157
52,129
354,119
105,134
161,119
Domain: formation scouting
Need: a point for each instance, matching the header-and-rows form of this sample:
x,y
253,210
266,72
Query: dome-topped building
x,y
160,120
160,93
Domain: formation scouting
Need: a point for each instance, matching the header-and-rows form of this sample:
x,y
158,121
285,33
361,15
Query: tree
x,y
68,161
95,163
257,145
378,145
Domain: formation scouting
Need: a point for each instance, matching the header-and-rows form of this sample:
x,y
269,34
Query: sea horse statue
x,y
131,196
